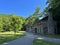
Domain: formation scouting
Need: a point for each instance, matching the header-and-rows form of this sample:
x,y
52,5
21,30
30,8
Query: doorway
x,y
35,30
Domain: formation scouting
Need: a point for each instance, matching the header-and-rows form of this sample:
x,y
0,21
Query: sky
x,y
21,7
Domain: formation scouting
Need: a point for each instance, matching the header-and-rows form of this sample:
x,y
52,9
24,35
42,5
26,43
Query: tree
x,y
54,6
31,19
37,11
11,22
1,24
17,23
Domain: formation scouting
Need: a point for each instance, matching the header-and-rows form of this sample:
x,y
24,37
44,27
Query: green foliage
x,y
11,22
31,19
37,11
54,7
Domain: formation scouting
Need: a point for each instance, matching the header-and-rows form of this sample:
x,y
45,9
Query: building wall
x,y
45,26
40,27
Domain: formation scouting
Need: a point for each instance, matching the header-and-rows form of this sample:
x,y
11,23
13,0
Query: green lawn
x,y
41,42
9,36
50,36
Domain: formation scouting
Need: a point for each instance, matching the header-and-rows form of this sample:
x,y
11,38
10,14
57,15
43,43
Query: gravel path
x,y
28,40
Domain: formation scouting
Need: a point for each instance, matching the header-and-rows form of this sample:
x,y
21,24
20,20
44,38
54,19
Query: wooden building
x,y
45,25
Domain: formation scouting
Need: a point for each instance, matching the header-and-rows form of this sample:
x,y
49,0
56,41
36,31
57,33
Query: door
x,y
45,30
35,30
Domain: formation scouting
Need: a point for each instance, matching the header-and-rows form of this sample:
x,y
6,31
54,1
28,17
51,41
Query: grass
x,y
50,36
9,36
41,42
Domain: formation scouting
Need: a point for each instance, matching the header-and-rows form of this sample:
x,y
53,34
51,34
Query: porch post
x,y
50,24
